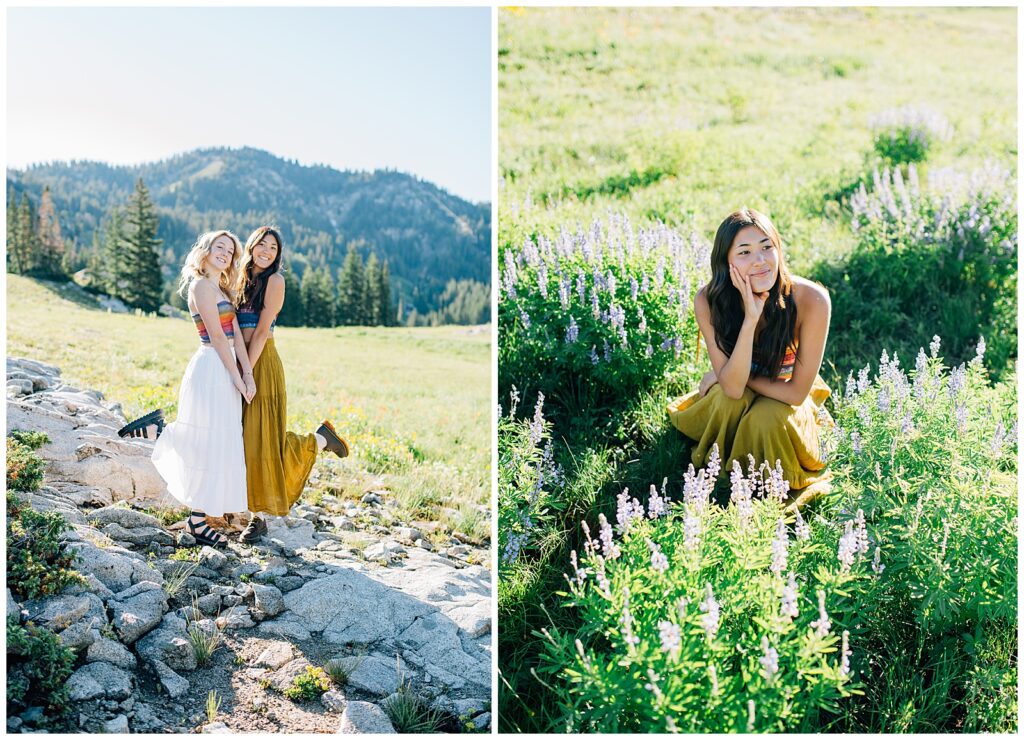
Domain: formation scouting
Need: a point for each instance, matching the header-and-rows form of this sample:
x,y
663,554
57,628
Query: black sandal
x,y
334,443
137,428
202,534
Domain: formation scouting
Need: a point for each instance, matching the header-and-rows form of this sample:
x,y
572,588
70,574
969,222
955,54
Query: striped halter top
x,y
788,361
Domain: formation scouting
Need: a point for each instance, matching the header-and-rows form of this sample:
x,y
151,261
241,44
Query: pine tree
x,y
373,313
384,291
112,271
318,297
50,260
139,280
293,313
351,286
14,252
28,237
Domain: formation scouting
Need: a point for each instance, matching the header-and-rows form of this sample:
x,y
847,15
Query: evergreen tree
x,y
28,237
318,297
50,257
351,287
110,268
15,260
138,277
373,313
384,292
293,313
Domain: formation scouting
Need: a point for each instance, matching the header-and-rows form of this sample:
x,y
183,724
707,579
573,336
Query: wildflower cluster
x,y
528,477
907,134
607,308
674,595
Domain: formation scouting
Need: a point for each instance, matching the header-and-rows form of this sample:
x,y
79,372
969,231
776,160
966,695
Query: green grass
x,y
685,114
420,395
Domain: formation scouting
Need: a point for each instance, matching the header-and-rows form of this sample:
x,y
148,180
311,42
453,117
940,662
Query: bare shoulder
x,y
276,281
700,299
811,296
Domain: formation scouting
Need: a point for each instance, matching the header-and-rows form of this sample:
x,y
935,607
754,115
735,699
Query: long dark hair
x,y
727,304
254,287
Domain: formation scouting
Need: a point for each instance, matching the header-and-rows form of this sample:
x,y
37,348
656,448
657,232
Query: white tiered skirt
x,y
200,453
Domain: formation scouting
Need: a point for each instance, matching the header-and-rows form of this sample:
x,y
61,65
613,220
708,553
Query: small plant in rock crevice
x,y
308,685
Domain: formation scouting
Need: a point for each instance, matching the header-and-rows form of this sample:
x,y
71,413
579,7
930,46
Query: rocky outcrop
x,y
342,584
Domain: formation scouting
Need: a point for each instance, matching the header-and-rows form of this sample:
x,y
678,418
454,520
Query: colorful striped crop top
x,y
227,318
248,319
788,363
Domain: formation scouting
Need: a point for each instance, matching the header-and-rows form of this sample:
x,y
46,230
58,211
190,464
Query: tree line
x,y
124,262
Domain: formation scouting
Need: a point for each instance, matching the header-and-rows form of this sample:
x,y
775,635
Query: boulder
x,y
371,673
237,617
56,613
333,701
99,680
212,558
169,645
79,635
137,610
125,517
139,535
173,684
386,551
268,600
13,607
112,568
291,534
275,655
284,676
209,604
361,717
116,726
105,650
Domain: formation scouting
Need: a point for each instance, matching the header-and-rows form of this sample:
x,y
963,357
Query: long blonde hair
x,y
193,267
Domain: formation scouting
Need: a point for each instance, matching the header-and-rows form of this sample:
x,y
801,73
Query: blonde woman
x,y
278,462
200,454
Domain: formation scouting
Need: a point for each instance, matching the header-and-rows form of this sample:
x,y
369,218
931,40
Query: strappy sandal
x,y
334,443
202,533
138,427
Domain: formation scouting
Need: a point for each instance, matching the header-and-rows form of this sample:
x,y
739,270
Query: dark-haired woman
x,y
765,332
278,462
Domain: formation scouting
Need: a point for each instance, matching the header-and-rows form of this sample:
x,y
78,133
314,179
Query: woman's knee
x,y
767,414
723,401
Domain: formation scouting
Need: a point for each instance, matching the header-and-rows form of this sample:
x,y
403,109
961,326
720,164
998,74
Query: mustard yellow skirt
x,y
756,425
277,462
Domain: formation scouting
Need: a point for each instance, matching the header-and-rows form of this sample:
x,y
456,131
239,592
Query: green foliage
x,y
410,713
908,134
352,285
37,667
24,467
318,297
308,685
213,702
938,256
38,564
136,265
32,440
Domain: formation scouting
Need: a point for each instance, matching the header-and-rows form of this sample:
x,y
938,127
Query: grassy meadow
x,y
412,403
626,135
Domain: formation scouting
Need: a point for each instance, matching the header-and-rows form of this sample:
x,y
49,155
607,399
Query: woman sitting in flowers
x,y
765,332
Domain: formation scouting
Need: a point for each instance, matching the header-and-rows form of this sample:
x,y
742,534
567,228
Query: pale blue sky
x,y
355,88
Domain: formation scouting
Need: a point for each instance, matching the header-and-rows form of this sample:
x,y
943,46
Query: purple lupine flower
x,y
581,286
564,292
714,465
790,596
822,625
979,352
628,637
595,305
778,486
573,332
656,505
861,532
593,354
514,397
634,287
608,547
524,317
876,563
801,528
844,667
659,561
627,510
712,614
957,380
883,400
668,632
855,442
851,386
691,531
645,283
580,573
780,545
847,551
607,351
998,439
642,325
537,425
862,379
769,660
961,416
648,351
740,495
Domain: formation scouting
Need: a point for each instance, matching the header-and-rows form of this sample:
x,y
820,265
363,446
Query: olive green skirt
x,y
768,429
277,462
